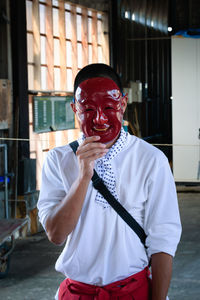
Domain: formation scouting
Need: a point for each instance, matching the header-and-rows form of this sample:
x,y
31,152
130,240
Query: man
x,y
103,258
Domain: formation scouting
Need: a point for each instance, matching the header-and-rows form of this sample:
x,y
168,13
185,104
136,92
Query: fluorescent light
x,y
169,29
126,14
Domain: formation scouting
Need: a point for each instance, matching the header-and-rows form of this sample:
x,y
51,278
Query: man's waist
x,y
117,288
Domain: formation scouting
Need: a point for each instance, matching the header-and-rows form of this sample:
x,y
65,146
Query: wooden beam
x,y
84,34
62,36
20,76
49,46
105,39
94,37
36,46
74,42
4,39
5,104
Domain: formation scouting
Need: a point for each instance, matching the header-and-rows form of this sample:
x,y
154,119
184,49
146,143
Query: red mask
x,y
100,107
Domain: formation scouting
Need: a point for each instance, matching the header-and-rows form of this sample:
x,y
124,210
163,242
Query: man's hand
x,y
161,264
87,153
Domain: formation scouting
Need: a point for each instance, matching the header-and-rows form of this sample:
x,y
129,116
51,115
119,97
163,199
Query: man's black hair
x,y
97,70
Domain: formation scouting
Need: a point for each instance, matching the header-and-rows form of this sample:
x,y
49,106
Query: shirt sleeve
x,y
52,189
162,220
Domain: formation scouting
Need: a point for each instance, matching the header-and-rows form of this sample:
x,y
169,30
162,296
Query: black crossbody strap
x,y
74,145
124,214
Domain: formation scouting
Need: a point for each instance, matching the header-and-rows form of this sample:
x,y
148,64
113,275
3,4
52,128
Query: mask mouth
x,y
104,128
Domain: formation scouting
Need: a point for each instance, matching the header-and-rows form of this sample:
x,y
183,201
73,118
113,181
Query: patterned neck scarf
x,y
104,168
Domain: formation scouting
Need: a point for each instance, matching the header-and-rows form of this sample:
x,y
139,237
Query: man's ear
x,y
73,106
124,102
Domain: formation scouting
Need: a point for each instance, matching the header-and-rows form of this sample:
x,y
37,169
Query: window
x,y
62,38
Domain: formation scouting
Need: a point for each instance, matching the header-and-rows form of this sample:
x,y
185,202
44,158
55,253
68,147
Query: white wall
x,y
186,108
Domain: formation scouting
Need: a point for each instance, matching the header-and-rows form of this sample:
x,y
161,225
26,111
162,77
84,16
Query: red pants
x,y
135,287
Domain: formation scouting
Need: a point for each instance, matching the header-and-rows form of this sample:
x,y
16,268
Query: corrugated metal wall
x,y
141,51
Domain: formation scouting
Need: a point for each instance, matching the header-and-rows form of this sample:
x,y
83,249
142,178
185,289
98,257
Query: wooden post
x,y
49,46
63,70
105,39
36,46
84,33
94,37
74,42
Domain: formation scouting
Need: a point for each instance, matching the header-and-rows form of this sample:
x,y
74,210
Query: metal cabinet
x,y
186,108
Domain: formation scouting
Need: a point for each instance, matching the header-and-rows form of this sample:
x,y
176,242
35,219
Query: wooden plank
x,y
84,34
74,42
4,41
105,39
49,46
5,104
62,37
52,139
94,37
36,46
33,214
9,226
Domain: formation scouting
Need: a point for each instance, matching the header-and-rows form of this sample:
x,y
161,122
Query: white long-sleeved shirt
x,y
103,248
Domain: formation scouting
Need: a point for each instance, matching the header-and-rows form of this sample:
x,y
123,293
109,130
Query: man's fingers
x,y
91,139
90,147
90,150
93,157
90,144
92,153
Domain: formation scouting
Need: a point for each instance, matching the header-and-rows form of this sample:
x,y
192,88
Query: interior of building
x,y
154,45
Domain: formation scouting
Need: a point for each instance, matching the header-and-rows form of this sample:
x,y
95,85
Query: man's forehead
x,y
98,87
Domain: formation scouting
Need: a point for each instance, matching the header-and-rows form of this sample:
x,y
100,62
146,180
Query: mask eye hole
x,y
89,109
108,108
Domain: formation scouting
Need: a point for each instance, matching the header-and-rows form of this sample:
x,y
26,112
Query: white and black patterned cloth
x,y
104,168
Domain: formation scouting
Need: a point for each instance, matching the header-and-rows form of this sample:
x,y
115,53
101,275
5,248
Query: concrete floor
x,y
32,275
